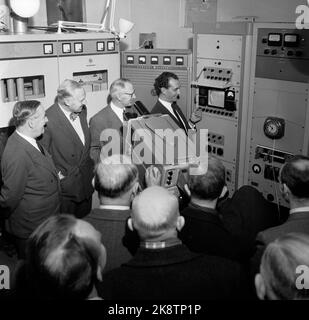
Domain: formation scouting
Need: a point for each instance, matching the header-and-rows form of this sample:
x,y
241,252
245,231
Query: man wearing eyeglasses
x,y
67,138
121,95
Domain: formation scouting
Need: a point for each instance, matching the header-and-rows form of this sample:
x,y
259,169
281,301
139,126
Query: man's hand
x,y
196,115
152,176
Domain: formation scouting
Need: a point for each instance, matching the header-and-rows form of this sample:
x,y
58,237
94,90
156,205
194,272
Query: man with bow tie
x,y
167,87
67,139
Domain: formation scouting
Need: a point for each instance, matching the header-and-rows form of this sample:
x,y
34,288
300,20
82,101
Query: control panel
x,y
157,58
32,66
282,54
40,49
144,65
219,77
174,177
278,117
286,43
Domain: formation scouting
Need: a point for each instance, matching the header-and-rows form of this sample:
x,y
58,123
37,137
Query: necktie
x,y
74,115
128,113
41,148
181,122
124,115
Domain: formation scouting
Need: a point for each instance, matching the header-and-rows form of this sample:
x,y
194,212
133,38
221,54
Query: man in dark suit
x,y
31,190
167,87
204,230
116,181
163,268
67,138
122,95
219,225
294,186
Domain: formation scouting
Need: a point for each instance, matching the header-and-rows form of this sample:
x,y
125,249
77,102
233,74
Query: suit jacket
x,y
31,188
174,273
117,239
104,119
248,213
70,156
159,108
296,222
205,232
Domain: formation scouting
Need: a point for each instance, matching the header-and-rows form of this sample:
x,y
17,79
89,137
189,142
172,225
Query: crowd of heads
x,y
65,256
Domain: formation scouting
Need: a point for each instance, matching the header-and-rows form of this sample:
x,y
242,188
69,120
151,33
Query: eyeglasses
x,y
130,94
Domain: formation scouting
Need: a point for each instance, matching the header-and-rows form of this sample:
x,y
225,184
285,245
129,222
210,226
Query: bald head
x,y
295,175
155,212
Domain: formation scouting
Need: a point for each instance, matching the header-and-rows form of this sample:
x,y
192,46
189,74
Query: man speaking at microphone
x,y
121,97
167,87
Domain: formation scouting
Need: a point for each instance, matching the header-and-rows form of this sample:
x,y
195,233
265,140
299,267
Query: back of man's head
x,y
155,214
295,175
282,274
64,258
115,176
209,184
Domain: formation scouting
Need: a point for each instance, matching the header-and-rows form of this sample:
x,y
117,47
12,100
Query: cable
x,y
274,179
199,75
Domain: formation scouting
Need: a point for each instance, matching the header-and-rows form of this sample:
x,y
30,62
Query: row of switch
x,y
218,112
215,150
215,138
220,71
48,48
289,53
169,178
228,175
217,78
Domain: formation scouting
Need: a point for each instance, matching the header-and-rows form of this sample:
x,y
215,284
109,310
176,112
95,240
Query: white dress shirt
x,y
117,110
300,209
29,139
75,124
114,207
168,106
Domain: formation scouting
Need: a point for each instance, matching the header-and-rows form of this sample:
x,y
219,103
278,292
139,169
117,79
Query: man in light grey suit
x,y
122,95
31,189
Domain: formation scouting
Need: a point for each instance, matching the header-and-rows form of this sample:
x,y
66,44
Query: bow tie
x,y
74,115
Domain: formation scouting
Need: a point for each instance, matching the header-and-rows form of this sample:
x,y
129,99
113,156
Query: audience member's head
x,y
155,214
64,258
209,185
294,178
71,95
122,93
116,180
280,277
29,118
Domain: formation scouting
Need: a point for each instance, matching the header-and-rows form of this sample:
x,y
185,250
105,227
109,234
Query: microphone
x,y
141,109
